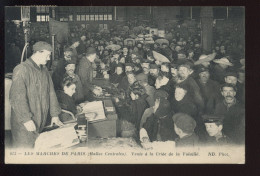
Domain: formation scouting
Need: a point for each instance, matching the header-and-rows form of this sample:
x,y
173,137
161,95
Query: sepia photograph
x,y
124,84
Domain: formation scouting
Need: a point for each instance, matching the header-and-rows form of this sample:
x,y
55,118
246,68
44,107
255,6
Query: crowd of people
x,y
169,90
193,97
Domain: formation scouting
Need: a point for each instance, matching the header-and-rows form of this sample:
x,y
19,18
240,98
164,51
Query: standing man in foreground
x,y
32,96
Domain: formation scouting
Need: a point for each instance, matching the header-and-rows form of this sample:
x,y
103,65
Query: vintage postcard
x,y
124,85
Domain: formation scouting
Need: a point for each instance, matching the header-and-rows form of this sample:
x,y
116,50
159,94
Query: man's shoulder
x,y
213,84
240,107
190,79
84,61
190,82
189,140
21,68
77,77
150,88
210,81
220,103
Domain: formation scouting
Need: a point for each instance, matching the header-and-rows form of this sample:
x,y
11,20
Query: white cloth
x,y
59,138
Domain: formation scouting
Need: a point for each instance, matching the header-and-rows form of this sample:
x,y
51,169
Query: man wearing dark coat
x,y
154,73
127,81
74,45
181,102
125,55
70,68
133,110
184,126
231,77
85,72
114,61
81,49
117,77
140,50
162,83
184,71
241,85
233,112
32,96
209,90
150,90
124,83
59,71
173,80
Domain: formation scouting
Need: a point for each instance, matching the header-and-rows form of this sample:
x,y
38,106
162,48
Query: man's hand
x,y
56,120
79,109
98,88
30,126
97,91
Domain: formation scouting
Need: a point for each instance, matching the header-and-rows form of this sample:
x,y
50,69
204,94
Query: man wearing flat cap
x,y
184,126
32,96
214,126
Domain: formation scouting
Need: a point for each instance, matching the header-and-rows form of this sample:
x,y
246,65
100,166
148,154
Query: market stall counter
x,y
102,126
105,128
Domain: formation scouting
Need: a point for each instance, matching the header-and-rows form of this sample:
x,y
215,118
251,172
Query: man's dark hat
x,y
68,50
120,65
90,50
231,74
212,118
154,66
184,63
129,64
202,68
228,85
72,61
173,65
